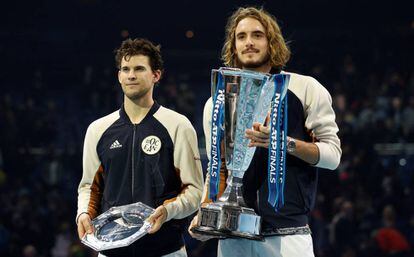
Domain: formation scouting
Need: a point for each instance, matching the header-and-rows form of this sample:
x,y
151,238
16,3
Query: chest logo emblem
x,y
151,145
115,144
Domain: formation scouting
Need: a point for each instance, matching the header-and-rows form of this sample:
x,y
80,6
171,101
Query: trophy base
x,y
224,220
223,235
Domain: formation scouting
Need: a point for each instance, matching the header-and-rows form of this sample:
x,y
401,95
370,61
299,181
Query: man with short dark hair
x,y
142,152
254,42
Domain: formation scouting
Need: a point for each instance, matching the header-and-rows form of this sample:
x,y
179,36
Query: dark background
x,y
57,75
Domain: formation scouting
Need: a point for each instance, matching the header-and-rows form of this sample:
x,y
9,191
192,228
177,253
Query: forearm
x,y
185,203
89,201
83,199
308,152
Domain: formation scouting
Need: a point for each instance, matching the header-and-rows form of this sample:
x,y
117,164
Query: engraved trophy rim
x,y
119,226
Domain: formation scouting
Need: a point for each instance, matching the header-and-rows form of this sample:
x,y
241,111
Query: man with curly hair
x,y
142,152
254,42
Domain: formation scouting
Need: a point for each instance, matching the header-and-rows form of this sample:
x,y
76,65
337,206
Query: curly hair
x,y
278,50
140,46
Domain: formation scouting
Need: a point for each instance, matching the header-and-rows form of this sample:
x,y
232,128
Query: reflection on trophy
x,y
247,99
119,226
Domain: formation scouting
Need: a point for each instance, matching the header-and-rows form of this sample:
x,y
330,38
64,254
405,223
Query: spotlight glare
x,y
189,34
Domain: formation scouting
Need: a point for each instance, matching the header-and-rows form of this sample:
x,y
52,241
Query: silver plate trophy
x,y
119,226
247,99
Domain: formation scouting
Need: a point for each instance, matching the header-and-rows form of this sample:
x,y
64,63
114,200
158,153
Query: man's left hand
x,y
157,219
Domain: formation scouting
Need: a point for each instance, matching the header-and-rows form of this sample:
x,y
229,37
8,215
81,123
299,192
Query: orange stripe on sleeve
x,y
97,188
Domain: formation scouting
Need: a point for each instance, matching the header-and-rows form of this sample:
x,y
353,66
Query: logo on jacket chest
x,y
151,145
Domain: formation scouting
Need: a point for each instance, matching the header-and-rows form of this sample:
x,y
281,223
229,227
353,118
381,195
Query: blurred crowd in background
x,y
364,208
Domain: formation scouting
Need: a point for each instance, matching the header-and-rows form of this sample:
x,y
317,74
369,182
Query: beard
x,y
253,64
136,95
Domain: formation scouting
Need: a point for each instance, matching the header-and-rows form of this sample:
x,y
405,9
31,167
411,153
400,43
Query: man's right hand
x,y
197,235
84,225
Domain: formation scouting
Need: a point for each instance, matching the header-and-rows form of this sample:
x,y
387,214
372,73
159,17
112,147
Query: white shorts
x,y
180,253
275,246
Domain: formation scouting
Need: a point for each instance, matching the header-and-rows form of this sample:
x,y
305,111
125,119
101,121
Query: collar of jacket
x,y
124,116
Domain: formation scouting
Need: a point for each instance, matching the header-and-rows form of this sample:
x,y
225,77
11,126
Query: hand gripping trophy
x,y
241,97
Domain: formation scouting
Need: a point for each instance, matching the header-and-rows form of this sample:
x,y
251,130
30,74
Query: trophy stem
x,y
233,195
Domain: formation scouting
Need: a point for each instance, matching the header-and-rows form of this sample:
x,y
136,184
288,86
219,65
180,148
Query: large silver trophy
x,y
247,99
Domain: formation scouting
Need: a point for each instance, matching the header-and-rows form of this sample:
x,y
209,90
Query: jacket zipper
x,y
133,161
